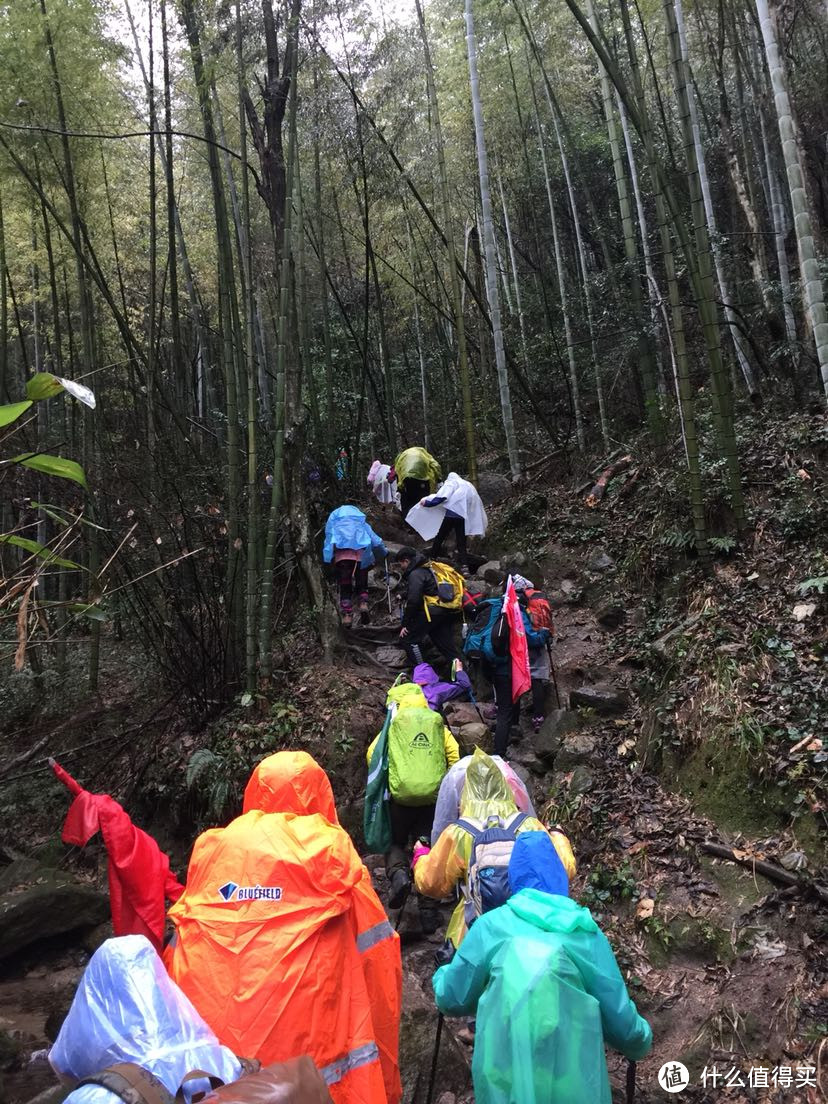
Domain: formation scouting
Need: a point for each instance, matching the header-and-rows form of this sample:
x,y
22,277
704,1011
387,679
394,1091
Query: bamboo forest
x,y
368,366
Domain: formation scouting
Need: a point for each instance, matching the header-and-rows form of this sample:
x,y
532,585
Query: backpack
x,y
488,637
488,880
449,588
539,610
472,597
416,754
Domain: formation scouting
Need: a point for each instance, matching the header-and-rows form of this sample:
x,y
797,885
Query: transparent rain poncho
x,y
128,1009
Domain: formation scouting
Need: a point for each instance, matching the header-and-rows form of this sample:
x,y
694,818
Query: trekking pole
x,y
630,1082
552,672
433,1075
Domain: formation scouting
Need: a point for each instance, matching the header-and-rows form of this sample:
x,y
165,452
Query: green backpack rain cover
x,y
416,747
376,818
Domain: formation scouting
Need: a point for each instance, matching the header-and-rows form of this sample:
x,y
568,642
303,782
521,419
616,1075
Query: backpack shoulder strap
x,y
132,1083
517,821
472,829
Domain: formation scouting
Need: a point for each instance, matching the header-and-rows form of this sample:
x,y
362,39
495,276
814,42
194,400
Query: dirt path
x,y
724,964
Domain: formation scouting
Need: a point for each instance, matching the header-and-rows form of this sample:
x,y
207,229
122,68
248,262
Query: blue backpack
x,y
488,636
488,878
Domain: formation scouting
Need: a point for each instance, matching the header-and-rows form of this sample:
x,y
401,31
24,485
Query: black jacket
x,y
419,582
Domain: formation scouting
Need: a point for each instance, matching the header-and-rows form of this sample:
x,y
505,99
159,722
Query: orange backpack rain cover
x,y
267,947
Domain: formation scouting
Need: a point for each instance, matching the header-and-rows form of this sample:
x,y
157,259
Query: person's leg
x,y
427,906
460,538
417,632
441,633
436,549
345,578
396,859
538,702
502,682
361,588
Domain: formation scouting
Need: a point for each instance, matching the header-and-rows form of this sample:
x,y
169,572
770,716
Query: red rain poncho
x,y
518,648
139,872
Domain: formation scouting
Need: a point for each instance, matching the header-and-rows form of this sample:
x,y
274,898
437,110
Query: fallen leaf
x,y
803,610
645,908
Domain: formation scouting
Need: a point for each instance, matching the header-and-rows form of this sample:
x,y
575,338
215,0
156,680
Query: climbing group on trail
x,y
280,977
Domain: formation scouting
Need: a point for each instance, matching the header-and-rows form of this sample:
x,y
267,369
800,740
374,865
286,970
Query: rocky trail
x,y
727,964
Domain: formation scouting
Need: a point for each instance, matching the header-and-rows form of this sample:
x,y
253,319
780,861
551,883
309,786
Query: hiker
x,y
421,748
281,942
489,641
416,473
384,492
127,1009
464,849
437,692
546,988
451,790
424,613
539,612
354,547
455,508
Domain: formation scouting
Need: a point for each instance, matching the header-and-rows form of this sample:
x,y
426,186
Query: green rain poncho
x,y
416,463
544,984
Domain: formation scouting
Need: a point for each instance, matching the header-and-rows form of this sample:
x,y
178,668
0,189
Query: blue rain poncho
x,y
544,984
346,527
128,1009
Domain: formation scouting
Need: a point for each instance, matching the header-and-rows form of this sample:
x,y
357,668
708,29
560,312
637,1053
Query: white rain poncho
x,y
460,498
128,1009
385,492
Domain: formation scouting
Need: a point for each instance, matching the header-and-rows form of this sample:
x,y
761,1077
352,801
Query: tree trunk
x,y
488,238
813,290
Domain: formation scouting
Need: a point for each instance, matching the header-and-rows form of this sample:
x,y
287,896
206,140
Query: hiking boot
x,y
347,620
489,712
364,613
537,723
464,571
400,886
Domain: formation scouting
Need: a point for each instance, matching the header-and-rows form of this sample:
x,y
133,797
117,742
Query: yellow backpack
x,y
449,588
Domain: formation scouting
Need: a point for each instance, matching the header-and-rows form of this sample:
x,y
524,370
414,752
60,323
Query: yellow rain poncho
x,y
485,794
416,463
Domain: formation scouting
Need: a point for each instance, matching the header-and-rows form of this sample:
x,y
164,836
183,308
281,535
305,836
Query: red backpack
x,y
539,610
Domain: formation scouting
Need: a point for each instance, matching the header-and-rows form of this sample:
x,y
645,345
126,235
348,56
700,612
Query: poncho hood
x,y
290,782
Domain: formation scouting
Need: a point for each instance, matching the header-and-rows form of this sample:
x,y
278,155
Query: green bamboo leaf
x,y
43,385
61,519
12,411
52,465
38,549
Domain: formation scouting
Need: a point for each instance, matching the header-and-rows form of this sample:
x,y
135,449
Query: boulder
x,y
492,573
391,657
518,563
611,615
51,903
577,748
462,713
601,561
417,1034
493,487
605,700
475,735
547,741
581,781
567,594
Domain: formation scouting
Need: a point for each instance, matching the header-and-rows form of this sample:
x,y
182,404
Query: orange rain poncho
x,y
282,943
